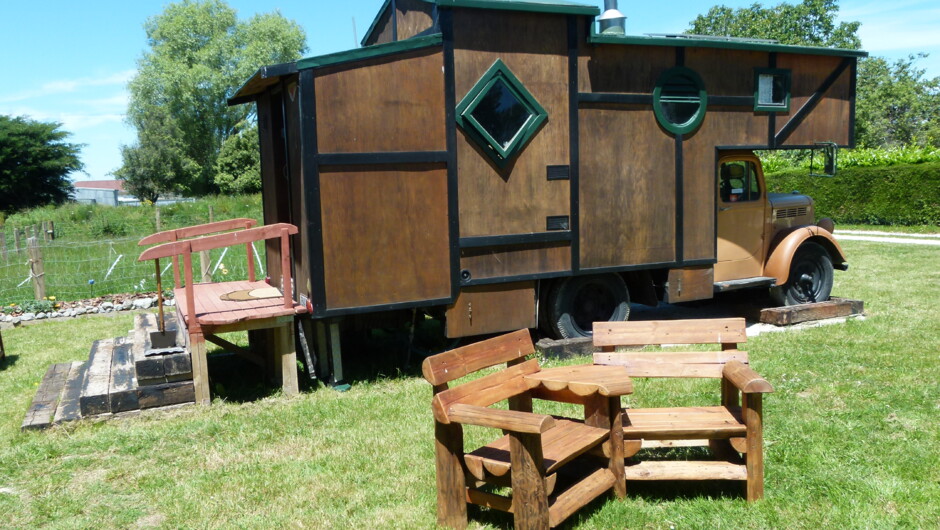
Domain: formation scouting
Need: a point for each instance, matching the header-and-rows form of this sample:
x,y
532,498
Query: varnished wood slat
x,y
682,423
685,470
746,379
211,310
197,230
454,364
752,407
579,495
586,380
727,330
507,420
486,390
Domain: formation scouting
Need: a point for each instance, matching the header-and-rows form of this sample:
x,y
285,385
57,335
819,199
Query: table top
x,y
584,380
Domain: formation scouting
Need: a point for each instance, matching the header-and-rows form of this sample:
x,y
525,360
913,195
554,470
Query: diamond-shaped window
x,y
500,114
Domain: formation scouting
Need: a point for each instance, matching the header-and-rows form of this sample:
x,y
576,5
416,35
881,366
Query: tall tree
x,y
35,161
158,164
897,105
199,56
809,23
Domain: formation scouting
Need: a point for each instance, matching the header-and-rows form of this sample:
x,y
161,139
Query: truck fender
x,y
781,254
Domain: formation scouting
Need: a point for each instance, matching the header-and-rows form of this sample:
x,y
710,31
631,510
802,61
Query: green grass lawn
x,y
852,436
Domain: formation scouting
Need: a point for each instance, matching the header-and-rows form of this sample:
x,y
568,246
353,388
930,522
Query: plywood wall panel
x,y
389,104
623,69
726,72
830,120
518,198
414,16
516,260
385,234
627,188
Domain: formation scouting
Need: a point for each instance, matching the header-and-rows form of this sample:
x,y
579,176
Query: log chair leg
x,y
529,497
752,410
197,348
606,413
451,481
285,359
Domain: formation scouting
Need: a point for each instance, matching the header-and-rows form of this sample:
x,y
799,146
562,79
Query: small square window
x,y
499,114
772,91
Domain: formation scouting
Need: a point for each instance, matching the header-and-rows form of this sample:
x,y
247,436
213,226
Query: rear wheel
x,y
810,277
576,303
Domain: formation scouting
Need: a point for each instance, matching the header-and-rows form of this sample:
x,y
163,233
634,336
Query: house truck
x,y
515,163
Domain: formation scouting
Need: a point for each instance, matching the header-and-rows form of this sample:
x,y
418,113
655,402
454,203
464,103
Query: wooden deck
x,y
213,310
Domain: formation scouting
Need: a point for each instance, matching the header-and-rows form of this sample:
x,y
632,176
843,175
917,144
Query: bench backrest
x,y
726,332
511,348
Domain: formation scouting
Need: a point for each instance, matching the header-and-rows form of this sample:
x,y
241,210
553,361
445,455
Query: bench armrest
x,y
745,379
507,420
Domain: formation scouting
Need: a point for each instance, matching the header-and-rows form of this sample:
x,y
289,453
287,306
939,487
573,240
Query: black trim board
x,y
446,20
574,145
516,239
415,157
343,311
311,176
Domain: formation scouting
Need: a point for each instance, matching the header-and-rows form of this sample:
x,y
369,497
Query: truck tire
x,y
576,303
810,278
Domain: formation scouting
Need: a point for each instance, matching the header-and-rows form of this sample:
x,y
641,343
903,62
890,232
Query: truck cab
x,y
770,239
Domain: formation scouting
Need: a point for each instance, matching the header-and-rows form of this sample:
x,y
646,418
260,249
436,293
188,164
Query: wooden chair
x,y
537,447
733,430
205,310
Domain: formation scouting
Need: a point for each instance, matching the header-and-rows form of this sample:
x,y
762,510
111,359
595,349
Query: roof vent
x,y
612,21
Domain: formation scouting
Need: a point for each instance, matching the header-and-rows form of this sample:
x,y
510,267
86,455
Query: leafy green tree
x,y
35,161
896,104
809,23
238,168
158,164
200,54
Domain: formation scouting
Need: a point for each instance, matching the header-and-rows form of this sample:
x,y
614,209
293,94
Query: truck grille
x,y
785,213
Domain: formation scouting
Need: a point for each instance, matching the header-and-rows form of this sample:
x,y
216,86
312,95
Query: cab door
x,y
741,212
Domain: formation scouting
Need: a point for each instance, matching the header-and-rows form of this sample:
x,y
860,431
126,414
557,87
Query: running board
x,y
746,283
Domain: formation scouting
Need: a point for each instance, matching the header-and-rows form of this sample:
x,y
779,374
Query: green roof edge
x,y
566,8
369,52
733,45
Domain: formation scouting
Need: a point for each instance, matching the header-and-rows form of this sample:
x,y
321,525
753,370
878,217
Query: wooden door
x,y
741,210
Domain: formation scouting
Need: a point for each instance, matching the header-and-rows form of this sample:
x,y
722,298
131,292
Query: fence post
x,y
3,245
36,269
45,230
17,240
204,258
156,213
51,231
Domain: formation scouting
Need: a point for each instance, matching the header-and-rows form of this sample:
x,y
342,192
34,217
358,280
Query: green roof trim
x,y
597,38
369,52
535,6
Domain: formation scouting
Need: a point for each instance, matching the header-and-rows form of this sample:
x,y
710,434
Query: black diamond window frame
x,y
465,119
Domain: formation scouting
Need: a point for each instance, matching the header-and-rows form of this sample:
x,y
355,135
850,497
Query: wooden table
x,y
599,388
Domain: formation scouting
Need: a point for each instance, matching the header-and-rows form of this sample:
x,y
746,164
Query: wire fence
x,y
75,270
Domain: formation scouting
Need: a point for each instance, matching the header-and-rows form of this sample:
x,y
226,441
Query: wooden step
x,y
685,470
94,398
42,411
69,409
167,394
162,368
122,388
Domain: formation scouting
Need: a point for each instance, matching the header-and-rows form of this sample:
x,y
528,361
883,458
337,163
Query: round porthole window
x,y
679,100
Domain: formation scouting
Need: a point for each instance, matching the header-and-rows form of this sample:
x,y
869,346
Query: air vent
x,y
558,173
786,213
557,222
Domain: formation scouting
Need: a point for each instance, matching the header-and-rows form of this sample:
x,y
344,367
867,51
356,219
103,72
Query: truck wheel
x,y
810,277
576,303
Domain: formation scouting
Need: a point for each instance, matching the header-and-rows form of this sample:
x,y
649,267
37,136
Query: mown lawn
x,y
852,433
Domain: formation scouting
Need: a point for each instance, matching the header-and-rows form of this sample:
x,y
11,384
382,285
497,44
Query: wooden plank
x,y
586,380
530,499
491,309
388,224
794,314
685,470
94,399
745,379
516,260
285,359
705,331
198,230
507,420
575,497
451,480
122,390
69,409
682,423
414,16
166,394
486,390
43,408
456,363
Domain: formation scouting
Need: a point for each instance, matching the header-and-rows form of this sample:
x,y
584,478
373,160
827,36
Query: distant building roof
x,y
101,184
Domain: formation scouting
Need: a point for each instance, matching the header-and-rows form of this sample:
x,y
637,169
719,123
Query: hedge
x,y
898,195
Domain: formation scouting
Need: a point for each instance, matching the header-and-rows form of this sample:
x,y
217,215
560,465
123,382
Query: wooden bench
x,y
536,447
205,311
733,429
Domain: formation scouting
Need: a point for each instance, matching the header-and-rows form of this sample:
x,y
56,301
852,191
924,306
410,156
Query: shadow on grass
x,y
8,361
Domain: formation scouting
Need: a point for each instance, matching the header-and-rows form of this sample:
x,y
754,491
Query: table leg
x,y
285,358
197,349
605,412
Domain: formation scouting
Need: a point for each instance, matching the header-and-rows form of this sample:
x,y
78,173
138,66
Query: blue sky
x,y
70,61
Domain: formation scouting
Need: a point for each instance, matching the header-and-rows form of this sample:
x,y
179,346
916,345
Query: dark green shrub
x,y
900,194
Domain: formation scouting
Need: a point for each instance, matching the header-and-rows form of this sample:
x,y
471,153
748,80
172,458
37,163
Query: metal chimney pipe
x,y
612,21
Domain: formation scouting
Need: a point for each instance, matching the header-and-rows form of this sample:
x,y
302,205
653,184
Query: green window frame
x,y
771,90
499,114
680,100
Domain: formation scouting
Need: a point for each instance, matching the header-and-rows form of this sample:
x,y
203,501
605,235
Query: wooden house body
x,y
473,153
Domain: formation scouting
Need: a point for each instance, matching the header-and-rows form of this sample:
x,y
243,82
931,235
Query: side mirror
x,y
827,153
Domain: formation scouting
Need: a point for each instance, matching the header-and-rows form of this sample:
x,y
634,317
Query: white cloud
x,y
900,25
64,86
